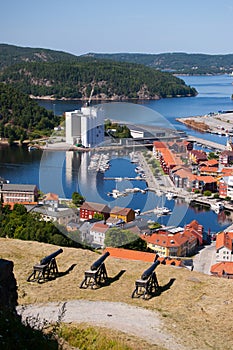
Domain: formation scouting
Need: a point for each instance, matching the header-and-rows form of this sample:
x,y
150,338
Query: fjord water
x,y
66,172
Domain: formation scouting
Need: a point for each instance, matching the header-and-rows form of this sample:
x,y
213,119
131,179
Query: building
x,y
98,232
226,158
197,156
85,127
62,216
222,269
224,246
170,245
51,199
196,230
17,193
225,187
89,209
125,214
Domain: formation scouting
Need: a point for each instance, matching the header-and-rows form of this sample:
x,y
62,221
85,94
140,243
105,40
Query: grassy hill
x,y
197,309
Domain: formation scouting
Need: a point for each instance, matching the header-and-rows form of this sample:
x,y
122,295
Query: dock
x,y
209,144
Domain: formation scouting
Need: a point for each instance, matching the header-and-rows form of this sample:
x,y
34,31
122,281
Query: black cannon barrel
x,y
99,261
48,258
147,273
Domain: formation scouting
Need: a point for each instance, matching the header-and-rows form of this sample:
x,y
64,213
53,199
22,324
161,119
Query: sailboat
x,y
159,211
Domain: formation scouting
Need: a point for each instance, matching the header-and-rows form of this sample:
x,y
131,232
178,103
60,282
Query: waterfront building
x,y
51,199
89,209
18,193
197,156
224,246
124,214
226,158
196,230
226,187
85,127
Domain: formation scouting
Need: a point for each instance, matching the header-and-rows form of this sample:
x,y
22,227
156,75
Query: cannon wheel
x,y
135,293
83,284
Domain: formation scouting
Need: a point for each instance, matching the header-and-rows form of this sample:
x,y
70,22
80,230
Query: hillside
x,y
196,309
110,80
11,54
176,62
21,117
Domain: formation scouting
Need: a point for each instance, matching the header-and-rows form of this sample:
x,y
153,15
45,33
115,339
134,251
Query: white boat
x,y
170,195
162,211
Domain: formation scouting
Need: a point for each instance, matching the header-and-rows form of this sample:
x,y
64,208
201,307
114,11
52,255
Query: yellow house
x,y
125,214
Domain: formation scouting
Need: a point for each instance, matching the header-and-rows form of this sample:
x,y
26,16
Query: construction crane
x,y
92,90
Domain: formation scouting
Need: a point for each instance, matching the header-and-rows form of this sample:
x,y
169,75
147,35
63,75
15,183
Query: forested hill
x,y
110,80
11,54
177,62
21,117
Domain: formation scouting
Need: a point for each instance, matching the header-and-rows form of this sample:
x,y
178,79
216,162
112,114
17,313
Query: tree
x,y
207,193
77,199
117,237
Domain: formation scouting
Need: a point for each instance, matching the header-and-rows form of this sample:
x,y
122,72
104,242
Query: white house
x,y
224,246
97,232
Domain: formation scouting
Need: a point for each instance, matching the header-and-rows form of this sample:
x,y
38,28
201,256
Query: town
x,y
173,167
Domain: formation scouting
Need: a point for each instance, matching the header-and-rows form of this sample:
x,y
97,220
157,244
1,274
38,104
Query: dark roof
x,y
121,211
102,208
19,187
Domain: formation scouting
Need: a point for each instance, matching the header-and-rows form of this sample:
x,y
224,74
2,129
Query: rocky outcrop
x,y
8,285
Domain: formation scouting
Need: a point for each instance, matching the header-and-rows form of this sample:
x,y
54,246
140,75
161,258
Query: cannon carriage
x,y
46,269
97,275
147,285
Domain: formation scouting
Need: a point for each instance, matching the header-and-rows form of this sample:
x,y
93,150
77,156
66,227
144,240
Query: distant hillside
x,y
11,54
110,80
178,62
21,116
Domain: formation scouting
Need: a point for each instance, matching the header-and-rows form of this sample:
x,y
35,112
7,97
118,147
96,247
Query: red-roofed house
x,y
222,269
166,244
224,246
196,230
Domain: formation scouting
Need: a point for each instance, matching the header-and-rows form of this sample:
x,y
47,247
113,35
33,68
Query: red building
x,y
89,209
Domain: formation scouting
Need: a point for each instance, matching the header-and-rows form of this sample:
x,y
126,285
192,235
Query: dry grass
x,y
196,308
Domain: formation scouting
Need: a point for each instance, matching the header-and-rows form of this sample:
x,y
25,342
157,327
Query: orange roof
x,y
159,145
210,162
209,169
128,254
185,173
224,239
50,197
165,240
227,171
11,204
170,158
222,268
207,179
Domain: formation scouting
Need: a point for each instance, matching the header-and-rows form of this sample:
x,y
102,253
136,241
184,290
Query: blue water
x,y
66,172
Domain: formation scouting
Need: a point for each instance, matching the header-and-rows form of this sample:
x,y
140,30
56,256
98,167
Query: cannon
x,y
147,285
97,275
46,269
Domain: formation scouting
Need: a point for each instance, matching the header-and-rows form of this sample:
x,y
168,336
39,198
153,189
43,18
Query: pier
x,y
209,144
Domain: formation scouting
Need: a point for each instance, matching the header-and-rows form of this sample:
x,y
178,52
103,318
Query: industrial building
x,y
85,127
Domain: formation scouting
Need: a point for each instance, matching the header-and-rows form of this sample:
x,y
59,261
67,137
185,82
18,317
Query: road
x,y
203,261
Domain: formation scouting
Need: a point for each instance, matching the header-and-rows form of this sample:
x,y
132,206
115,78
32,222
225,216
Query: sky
x,y
108,26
